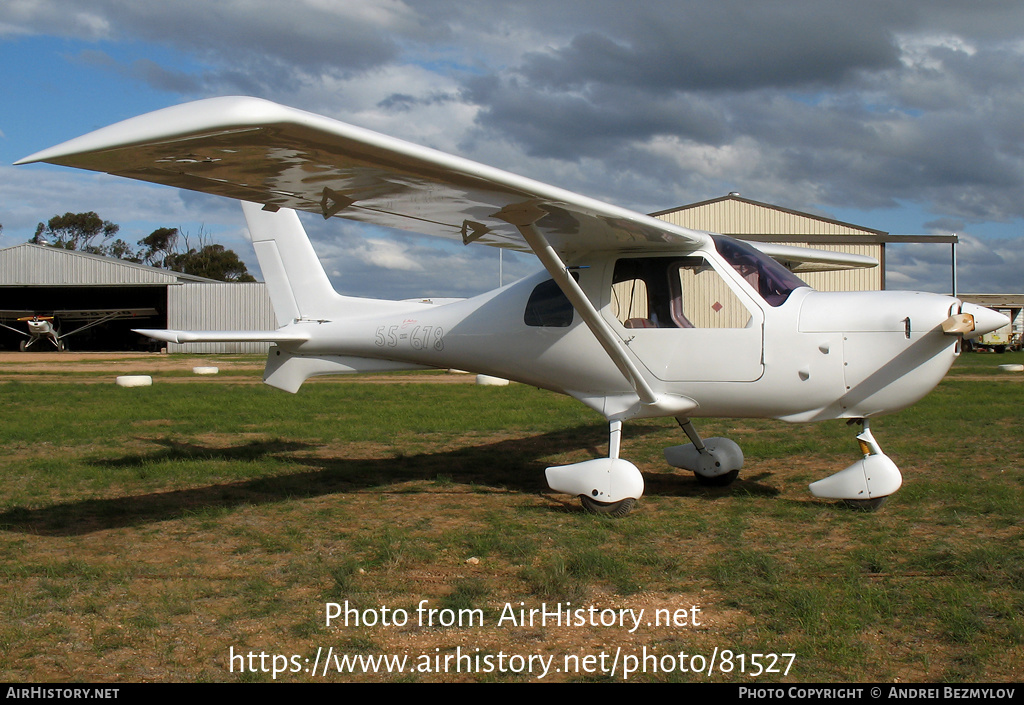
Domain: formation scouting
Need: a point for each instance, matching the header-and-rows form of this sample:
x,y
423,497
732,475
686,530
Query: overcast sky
x,y
906,117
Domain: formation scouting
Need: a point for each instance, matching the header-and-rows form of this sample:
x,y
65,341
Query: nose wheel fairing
x,y
872,478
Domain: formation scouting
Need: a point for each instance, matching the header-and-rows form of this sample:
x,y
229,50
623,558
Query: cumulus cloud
x,y
303,33
386,254
360,261
983,265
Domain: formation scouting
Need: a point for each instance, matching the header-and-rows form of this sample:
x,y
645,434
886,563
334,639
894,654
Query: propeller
x,y
974,321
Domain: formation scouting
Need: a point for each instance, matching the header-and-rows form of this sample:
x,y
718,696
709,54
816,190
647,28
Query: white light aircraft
x,y
44,326
633,316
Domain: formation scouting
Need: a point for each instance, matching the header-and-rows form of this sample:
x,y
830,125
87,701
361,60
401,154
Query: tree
x,y
79,231
158,245
212,262
122,250
75,231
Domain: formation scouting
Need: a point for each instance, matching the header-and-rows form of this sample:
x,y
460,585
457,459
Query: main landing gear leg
x,y
715,462
604,485
865,484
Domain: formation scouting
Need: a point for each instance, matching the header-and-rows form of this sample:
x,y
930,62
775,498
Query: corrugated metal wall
x,y
629,300
35,265
735,216
220,307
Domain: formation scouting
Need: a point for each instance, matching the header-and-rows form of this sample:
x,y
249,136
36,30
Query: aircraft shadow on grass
x,y
515,464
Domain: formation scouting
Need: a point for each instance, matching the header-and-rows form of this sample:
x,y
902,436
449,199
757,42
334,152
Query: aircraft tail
x,y
299,291
296,281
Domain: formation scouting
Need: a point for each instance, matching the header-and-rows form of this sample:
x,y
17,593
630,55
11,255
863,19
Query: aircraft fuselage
x,y
815,356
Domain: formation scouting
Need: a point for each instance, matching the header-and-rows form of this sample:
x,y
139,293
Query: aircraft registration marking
x,y
419,338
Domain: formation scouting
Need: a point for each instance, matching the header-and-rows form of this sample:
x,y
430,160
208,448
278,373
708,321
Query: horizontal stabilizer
x,y
287,371
223,336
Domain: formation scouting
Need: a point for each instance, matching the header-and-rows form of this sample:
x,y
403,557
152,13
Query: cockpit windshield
x,y
768,278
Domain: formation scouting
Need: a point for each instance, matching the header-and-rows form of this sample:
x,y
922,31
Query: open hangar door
x,y
81,330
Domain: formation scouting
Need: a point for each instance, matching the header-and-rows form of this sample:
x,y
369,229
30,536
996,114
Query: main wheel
x,y
866,505
718,480
22,345
614,509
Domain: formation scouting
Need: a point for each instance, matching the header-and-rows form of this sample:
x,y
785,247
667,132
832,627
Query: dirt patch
x,y
996,375
92,368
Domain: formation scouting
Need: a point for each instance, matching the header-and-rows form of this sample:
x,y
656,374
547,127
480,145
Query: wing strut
x,y
112,316
523,216
19,332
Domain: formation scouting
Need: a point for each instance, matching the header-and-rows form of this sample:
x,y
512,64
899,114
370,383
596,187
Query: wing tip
x,y
209,113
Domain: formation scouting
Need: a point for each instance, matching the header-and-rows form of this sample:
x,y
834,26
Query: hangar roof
x,y
753,220
763,222
37,265
995,300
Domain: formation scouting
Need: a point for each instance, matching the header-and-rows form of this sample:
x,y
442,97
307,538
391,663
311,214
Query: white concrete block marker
x,y
134,381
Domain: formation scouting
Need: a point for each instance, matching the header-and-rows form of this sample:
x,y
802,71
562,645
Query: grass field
x,y
149,534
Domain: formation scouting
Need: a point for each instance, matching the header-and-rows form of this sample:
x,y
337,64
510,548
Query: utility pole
x,y
953,254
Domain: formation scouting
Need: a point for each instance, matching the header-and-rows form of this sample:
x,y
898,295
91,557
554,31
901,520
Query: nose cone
x,y
985,319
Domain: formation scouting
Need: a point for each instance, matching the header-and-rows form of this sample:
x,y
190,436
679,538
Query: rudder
x,y
297,283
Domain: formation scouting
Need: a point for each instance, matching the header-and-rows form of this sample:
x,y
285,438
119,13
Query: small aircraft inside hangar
x,y
84,302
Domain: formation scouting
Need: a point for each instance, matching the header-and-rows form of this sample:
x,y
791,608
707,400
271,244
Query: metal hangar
x,y
46,280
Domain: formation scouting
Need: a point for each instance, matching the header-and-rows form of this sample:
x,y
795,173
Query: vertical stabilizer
x,y
298,286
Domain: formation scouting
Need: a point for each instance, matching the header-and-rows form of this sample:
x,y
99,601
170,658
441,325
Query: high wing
x,y
254,150
104,314
86,314
18,313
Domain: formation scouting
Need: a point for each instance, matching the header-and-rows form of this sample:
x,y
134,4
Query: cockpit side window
x,y
705,300
674,292
548,307
767,277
